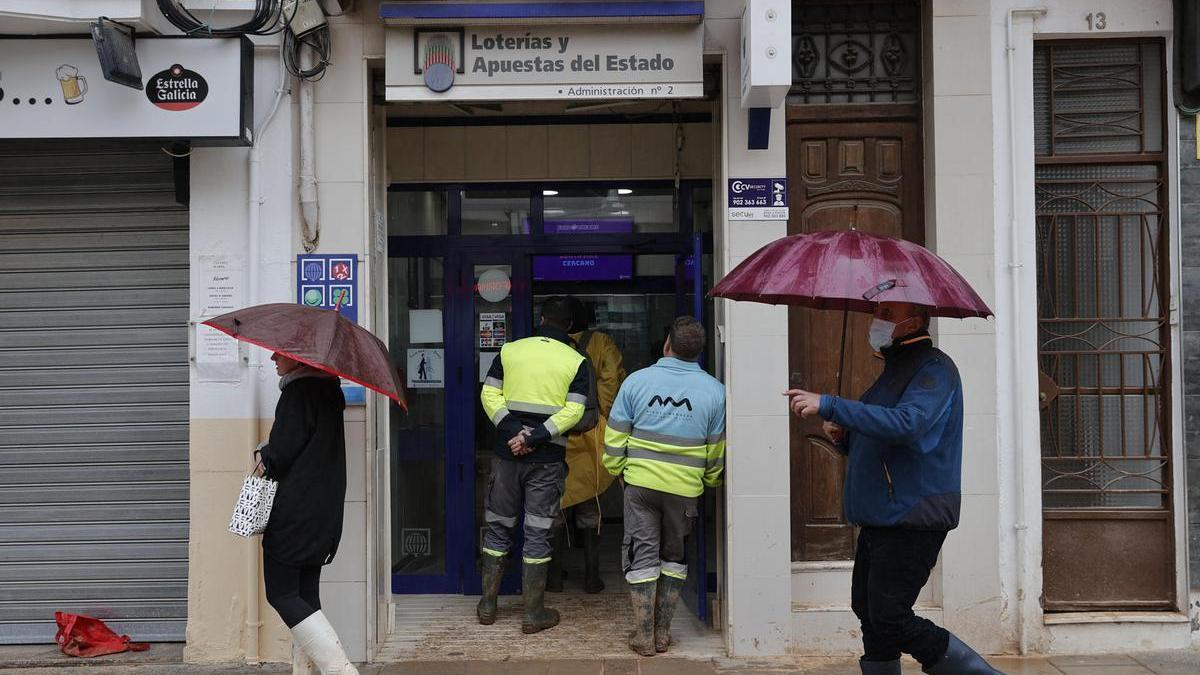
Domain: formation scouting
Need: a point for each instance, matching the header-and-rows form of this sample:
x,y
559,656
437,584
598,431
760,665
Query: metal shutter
x,y
93,390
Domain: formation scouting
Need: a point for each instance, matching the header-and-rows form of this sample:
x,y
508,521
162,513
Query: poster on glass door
x,y
426,368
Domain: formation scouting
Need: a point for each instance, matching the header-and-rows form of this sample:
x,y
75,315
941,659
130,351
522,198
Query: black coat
x,y
307,455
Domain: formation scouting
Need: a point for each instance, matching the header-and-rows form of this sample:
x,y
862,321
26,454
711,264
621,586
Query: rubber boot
x,y
554,578
879,667
664,610
533,586
960,660
320,642
591,556
301,664
641,596
492,573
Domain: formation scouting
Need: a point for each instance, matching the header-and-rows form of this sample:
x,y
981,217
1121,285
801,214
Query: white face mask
x,y
880,335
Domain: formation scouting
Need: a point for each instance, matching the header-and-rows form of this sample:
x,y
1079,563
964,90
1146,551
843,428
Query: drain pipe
x,y
254,203
311,224
1016,267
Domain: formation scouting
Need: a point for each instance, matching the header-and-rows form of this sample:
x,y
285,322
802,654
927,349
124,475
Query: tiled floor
x,y
443,627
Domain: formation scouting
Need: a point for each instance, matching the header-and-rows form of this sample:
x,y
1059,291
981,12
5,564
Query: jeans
x,y
890,567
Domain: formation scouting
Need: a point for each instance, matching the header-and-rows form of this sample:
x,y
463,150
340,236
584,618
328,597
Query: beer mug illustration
x,y
74,85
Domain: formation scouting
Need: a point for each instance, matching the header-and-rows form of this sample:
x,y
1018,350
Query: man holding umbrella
x,y
904,441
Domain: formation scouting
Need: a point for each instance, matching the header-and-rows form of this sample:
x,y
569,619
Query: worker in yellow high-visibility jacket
x,y
586,477
534,392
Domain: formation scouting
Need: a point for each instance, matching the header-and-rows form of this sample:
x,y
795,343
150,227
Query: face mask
x,y
880,335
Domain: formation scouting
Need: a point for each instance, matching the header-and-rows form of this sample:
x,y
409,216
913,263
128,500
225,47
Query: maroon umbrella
x,y
321,338
850,270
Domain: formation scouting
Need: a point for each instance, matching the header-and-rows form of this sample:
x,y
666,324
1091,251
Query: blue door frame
x,y
460,253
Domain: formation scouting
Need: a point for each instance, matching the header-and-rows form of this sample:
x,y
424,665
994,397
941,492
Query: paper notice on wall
x,y
218,358
221,284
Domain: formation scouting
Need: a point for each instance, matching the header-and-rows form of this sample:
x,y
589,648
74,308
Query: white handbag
x,y
253,508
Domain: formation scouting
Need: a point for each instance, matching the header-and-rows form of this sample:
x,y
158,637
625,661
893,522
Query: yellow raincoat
x,y
586,476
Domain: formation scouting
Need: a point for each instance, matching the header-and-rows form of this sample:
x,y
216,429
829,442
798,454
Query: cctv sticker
x,y
177,89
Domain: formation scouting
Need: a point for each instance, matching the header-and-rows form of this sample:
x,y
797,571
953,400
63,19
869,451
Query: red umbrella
x,y
850,270
321,338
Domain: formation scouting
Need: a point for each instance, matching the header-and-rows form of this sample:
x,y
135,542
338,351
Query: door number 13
x,y
1097,21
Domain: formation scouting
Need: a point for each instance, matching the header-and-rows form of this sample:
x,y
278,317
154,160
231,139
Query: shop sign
x,y
199,90
426,368
328,282
758,199
581,62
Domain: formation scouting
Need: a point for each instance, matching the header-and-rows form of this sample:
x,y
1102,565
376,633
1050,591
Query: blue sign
x,y
328,282
758,199
758,193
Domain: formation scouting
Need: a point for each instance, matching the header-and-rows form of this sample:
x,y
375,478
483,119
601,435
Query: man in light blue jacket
x,y
666,439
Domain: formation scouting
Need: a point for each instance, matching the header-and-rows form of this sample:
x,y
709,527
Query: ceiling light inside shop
x,y
549,193
624,191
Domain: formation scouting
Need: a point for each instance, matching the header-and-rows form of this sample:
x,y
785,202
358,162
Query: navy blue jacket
x,y
904,441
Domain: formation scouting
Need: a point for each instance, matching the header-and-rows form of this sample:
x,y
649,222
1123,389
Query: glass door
x,y
492,308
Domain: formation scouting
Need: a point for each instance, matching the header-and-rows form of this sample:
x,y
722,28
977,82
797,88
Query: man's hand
x,y
803,403
834,432
517,443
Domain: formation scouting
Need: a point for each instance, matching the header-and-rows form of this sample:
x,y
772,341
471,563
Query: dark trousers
x,y
891,566
294,592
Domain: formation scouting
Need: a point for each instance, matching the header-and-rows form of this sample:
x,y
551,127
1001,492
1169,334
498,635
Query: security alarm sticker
x,y
177,89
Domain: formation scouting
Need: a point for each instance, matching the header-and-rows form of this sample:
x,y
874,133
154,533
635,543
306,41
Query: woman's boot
x,y
641,596
533,587
591,557
961,660
301,664
320,642
492,573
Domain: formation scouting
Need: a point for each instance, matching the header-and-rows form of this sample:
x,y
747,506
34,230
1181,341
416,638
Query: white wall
x,y
757,493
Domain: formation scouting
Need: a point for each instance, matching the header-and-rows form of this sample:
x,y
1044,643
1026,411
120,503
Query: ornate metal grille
x,y
1103,319
864,52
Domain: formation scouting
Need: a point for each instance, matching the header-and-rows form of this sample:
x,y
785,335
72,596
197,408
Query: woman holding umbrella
x,y
306,454
903,438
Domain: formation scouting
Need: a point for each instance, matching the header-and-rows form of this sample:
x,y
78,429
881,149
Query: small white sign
x,y
426,368
222,282
425,326
217,357
757,213
485,363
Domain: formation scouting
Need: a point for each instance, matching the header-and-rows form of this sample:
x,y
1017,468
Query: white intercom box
x,y
766,53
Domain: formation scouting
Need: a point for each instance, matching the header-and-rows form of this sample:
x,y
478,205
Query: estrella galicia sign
x,y
177,89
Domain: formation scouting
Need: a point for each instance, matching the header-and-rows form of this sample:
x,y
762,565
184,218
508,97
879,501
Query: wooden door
x,y
865,176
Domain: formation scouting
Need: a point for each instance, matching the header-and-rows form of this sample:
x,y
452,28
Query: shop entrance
x,y
635,253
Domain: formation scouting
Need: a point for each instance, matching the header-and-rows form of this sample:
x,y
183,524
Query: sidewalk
x,y
165,660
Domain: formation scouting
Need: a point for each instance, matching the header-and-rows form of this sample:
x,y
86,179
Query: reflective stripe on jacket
x,y
539,382
667,429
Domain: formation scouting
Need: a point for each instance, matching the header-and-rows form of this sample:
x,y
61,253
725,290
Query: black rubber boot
x,y
492,573
554,578
664,610
960,660
533,587
641,596
879,667
591,557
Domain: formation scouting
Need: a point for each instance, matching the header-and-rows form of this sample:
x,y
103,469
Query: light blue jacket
x,y
666,431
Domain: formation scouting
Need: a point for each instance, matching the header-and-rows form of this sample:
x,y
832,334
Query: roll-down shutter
x,y
93,389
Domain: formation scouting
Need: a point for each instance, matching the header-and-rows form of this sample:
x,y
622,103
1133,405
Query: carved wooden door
x,y
865,176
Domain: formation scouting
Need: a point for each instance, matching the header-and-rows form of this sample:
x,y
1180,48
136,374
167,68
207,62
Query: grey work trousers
x,y
538,487
656,525
585,515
